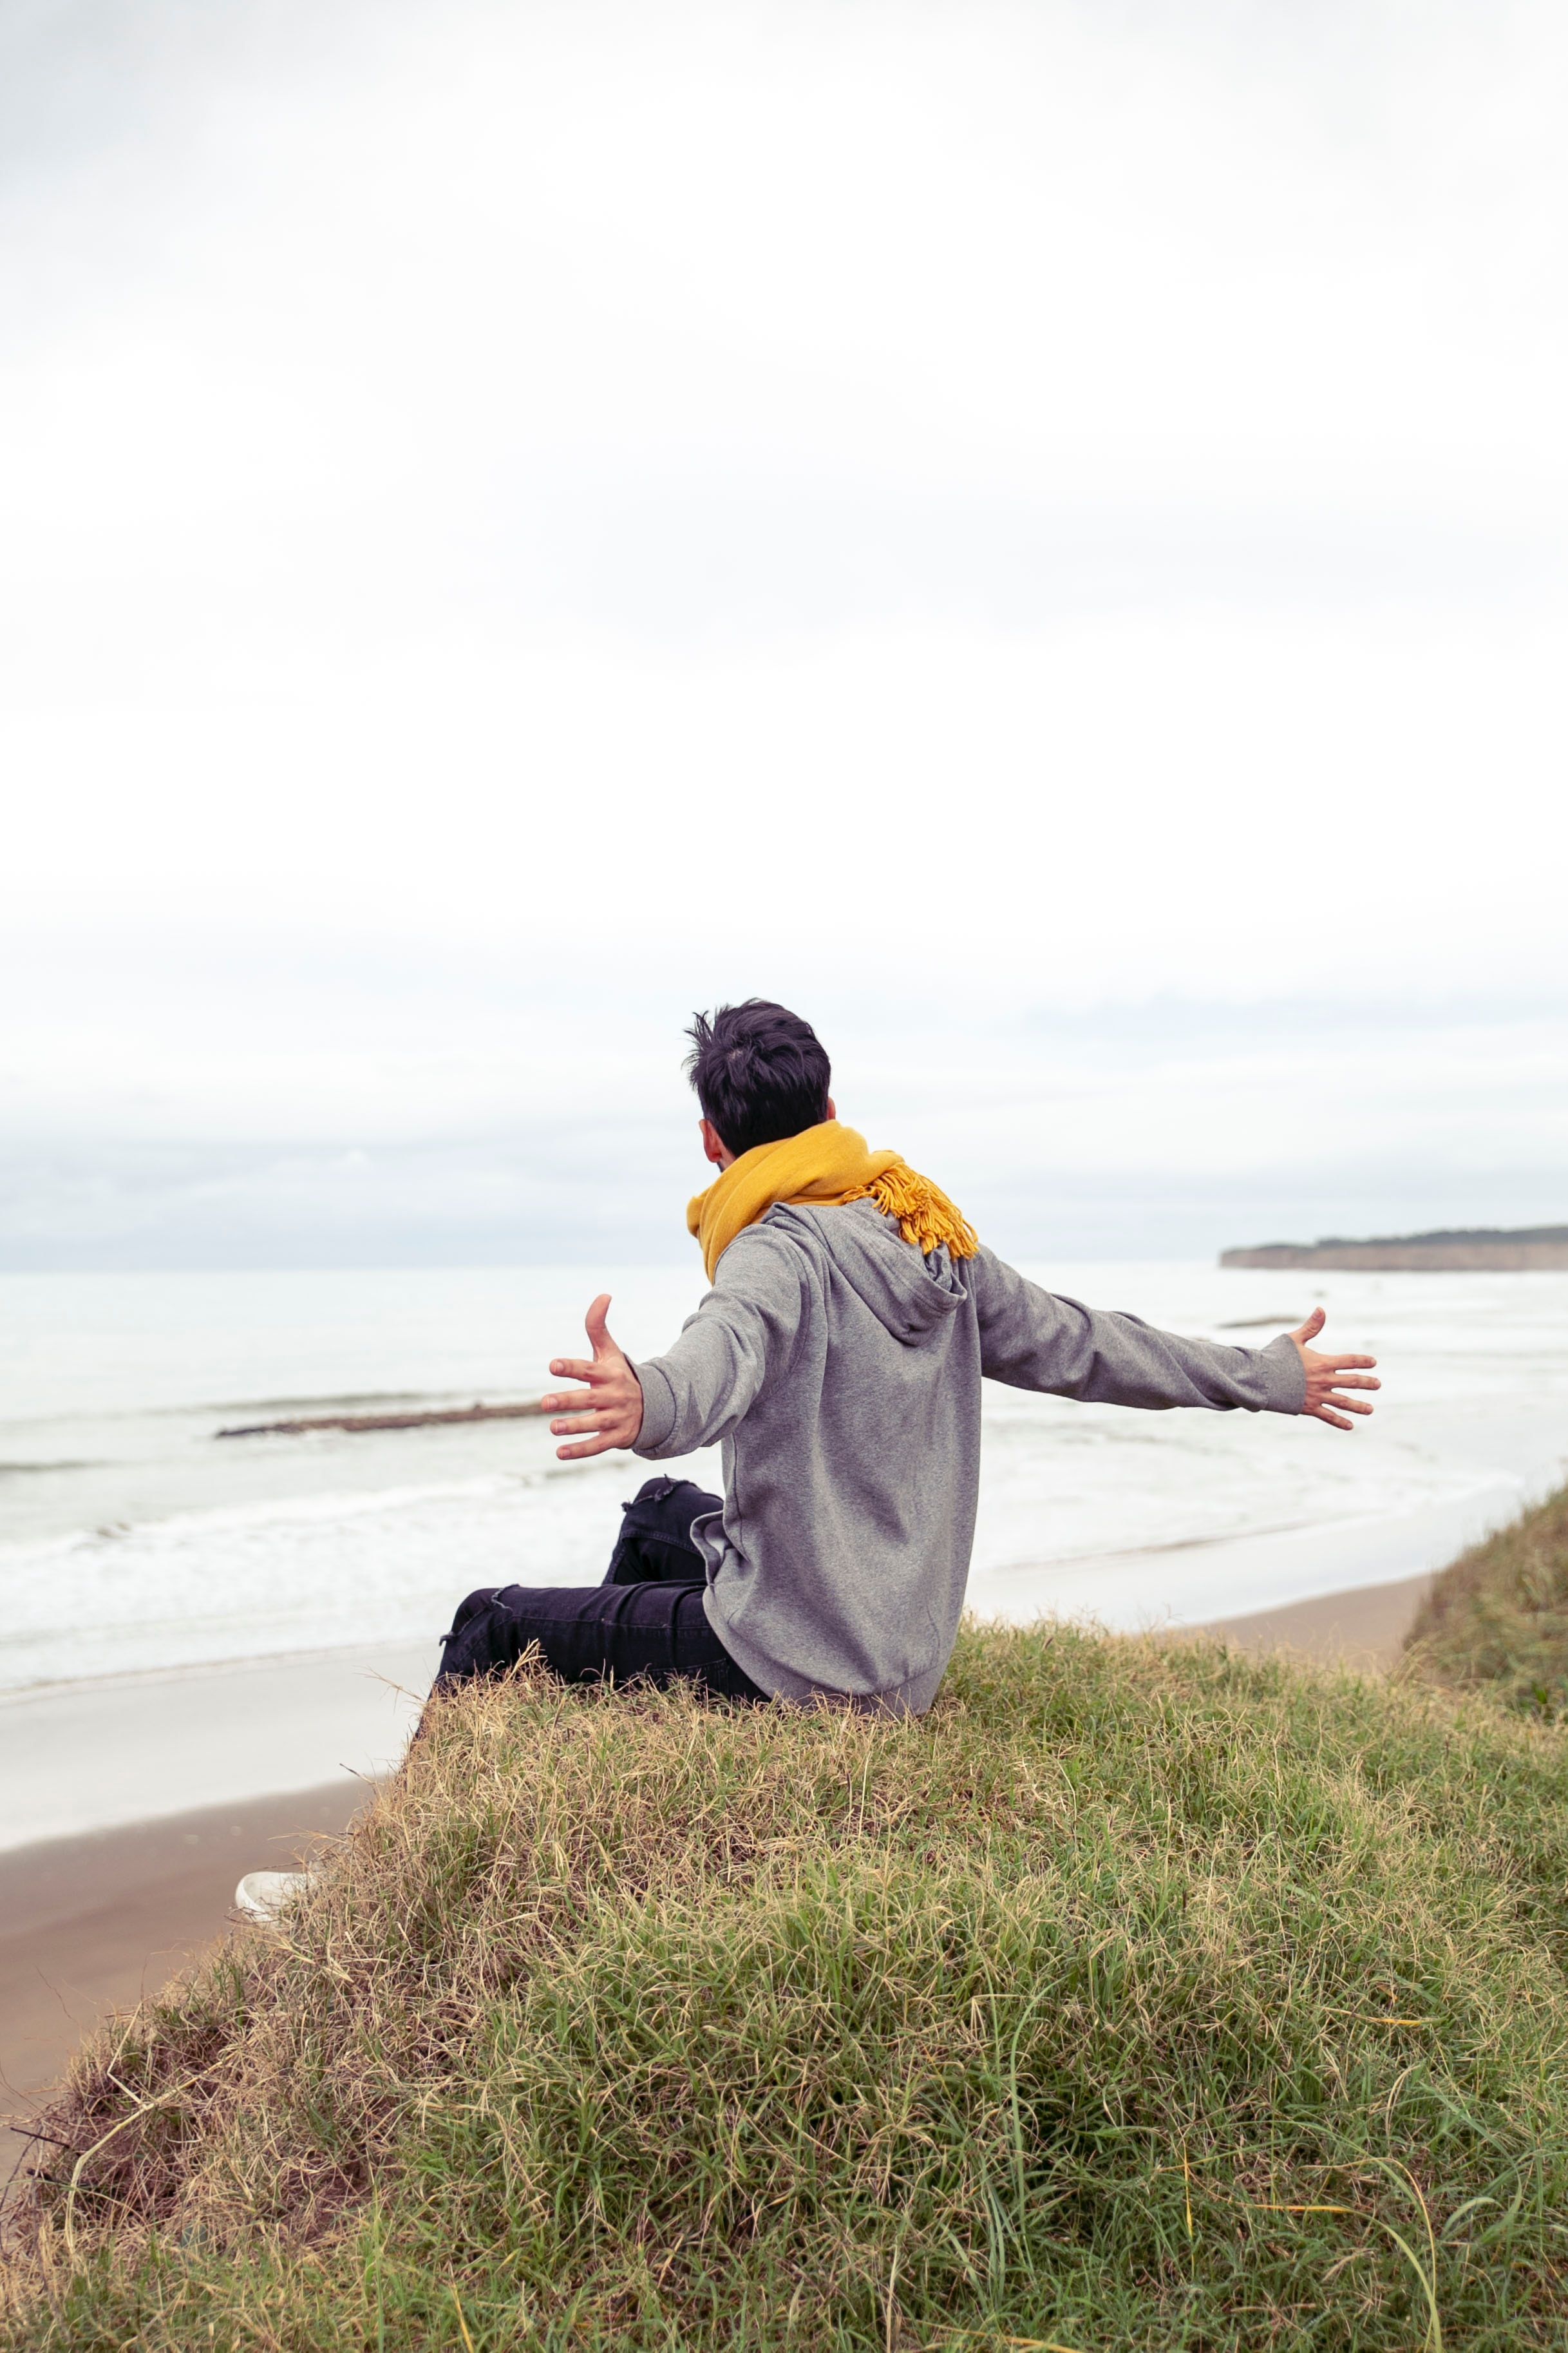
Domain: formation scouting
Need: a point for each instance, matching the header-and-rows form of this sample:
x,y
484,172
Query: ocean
x,y
132,1539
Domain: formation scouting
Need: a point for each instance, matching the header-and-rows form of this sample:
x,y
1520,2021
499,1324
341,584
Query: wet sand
x,y
90,1924
1364,1629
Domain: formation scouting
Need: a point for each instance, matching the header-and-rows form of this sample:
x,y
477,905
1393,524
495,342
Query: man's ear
x,y
715,1148
832,1108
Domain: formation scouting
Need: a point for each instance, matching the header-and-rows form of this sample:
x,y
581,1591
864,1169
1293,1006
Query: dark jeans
x,y
647,1618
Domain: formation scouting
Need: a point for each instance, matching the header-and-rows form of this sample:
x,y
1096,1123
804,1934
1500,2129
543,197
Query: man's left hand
x,y
1328,1377
610,1406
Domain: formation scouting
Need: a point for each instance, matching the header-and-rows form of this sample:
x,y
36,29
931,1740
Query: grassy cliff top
x,y
1140,1997
1498,1618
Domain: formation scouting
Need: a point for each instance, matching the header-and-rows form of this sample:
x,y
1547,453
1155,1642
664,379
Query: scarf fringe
x,y
926,1217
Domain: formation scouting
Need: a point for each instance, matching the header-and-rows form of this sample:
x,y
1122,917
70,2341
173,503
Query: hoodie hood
x,y
910,1296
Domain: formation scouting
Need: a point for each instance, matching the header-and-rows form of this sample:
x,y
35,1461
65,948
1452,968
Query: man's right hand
x,y
610,1406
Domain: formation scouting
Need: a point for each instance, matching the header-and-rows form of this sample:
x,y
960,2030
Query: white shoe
x,y
266,1896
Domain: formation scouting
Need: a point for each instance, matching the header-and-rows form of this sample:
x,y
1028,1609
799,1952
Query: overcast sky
x,y
1033,532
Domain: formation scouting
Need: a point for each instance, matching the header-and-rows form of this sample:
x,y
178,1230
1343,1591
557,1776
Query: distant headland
x,y
1463,1249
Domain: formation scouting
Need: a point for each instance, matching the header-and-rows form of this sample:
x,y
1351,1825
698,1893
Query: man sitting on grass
x,y
839,1357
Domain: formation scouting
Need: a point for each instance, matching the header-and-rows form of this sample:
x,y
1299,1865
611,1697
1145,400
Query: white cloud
x,y
517,522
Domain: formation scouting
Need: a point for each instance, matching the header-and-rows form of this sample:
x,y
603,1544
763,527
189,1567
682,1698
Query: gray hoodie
x,y
842,1371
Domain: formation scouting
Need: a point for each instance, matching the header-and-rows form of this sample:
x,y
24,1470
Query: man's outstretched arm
x,y
696,1393
1033,1339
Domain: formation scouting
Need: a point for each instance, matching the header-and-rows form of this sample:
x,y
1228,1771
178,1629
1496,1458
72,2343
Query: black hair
x,y
759,1071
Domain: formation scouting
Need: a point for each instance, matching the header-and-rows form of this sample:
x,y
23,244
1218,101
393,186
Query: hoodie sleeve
x,y
1032,1339
695,1394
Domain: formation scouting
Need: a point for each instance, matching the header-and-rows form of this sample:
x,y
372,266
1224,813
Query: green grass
x,y
1498,1616
1138,1997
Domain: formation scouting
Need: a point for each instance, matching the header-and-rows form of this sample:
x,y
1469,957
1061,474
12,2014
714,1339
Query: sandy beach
x,y
91,1923
1364,1630
133,1882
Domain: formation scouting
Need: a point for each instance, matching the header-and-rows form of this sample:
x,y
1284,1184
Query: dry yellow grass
x,y
1138,1997
1498,1618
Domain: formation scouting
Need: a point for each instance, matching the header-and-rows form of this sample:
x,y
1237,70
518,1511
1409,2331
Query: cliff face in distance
x,y
1466,1249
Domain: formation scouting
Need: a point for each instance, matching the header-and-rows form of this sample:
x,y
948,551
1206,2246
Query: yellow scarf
x,y
823,1168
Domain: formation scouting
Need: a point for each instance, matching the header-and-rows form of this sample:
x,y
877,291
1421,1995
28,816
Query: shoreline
x,y
95,1920
146,1743
93,1756
1362,1627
